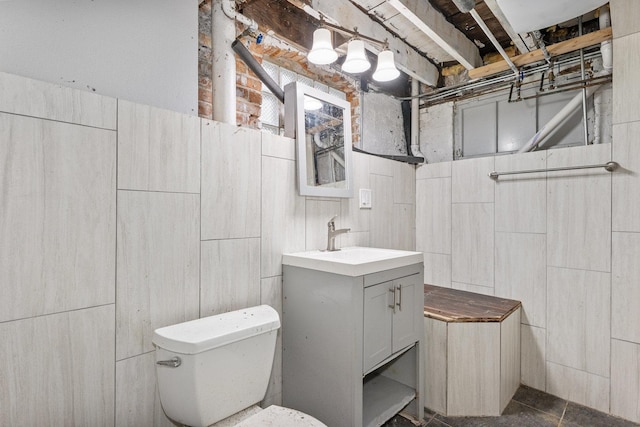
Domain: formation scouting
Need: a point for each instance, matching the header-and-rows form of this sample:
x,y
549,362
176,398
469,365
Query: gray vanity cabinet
x,y
393,312
352,346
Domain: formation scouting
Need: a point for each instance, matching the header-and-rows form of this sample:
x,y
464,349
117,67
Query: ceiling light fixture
x,y
322,52
386,69
356,61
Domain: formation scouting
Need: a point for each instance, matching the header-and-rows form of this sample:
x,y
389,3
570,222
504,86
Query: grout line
x,y
563,412
115,280
48,119
538,410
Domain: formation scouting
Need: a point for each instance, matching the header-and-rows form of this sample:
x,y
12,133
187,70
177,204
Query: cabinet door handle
x,y
399,303
393,306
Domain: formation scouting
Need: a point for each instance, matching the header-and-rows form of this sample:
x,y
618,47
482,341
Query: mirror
x,y
321,126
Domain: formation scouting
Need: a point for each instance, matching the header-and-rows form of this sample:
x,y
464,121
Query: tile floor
x,y
528,408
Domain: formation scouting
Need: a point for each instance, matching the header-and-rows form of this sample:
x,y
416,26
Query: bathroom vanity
x,y
353,335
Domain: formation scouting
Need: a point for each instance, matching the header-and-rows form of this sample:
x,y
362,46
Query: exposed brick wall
x,y
205,94
249,87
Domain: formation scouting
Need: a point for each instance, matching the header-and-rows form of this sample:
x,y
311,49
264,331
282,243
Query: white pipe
x,y
556,120
229,9
607,63
415,120
223,79
606,46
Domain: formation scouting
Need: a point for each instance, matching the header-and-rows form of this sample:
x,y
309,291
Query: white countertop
x,y
353,261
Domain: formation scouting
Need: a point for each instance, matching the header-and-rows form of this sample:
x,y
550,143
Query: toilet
x,y
218,367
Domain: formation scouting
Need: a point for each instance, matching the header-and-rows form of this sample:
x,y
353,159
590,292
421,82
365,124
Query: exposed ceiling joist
x,y
537,55
432,23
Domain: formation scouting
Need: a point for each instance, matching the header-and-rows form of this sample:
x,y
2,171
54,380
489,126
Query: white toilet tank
x,y
225,364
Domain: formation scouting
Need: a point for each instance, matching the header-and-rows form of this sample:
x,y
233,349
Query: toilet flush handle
x,y
172,363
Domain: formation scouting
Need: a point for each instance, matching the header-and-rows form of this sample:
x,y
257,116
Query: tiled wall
x,y
566,244
118,218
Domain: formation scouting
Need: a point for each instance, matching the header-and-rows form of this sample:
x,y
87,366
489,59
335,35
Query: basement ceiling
x,y
436,29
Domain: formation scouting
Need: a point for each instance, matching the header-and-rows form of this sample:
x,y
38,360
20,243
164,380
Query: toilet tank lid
x,y
210,332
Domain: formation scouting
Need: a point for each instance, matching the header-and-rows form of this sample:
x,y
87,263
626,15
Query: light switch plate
x,y
365,198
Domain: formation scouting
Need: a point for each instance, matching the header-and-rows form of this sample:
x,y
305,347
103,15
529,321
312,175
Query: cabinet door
x,y
409,311
377,324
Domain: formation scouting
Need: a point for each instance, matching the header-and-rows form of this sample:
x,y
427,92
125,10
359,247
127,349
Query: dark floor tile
x,y
515,414
400,421
437,423
540,400
581,416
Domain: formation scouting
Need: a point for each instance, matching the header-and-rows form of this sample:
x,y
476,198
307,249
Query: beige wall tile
x,y
626,179
624,15
57,250
473,375
404,232
578,386
472,243
433,215
509,357
626,89
483,290
231,183
470,181
278,146
158,150
625,292
381,218
352,216
532,356
230,275
578,325
437,269
404,183
24,96
521,200
158,266
579,210
435,370
283,214
58,369
271,294
521,273
433,170
137,399
625,380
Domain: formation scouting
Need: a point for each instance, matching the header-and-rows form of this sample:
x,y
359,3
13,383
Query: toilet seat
x,y
277,416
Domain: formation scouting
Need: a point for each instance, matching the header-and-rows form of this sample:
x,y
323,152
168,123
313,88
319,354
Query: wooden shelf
x,y
382,399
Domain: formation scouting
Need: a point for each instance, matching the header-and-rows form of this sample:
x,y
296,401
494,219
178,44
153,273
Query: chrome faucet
x,y
332,233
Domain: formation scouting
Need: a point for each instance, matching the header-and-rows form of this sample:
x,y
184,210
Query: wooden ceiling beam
x,y
537,55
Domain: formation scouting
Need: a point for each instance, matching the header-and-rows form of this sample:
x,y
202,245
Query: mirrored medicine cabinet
x,y
321,125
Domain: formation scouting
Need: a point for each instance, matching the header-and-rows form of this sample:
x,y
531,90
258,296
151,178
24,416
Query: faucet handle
x,y
332,221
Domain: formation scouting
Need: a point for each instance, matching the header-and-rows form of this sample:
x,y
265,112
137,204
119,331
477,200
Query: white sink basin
x,y
353,261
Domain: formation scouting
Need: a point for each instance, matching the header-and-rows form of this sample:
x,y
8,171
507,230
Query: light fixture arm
x,y
353,34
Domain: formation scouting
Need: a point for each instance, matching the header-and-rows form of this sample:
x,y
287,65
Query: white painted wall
x,y
382,125
140,50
